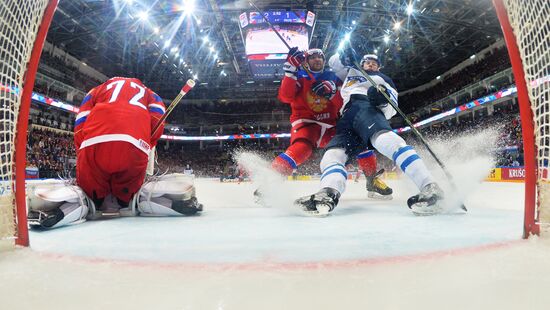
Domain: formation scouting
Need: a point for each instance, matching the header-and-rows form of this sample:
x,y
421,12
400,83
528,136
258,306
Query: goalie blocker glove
x,y
325,89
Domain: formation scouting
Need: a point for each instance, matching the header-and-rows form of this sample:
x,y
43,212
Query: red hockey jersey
x,y
121,109
304,103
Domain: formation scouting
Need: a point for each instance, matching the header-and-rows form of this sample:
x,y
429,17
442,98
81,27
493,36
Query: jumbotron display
x,y
265,51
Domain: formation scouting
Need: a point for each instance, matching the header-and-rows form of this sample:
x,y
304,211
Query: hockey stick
x,y
280,37
184,90
152,154
413,129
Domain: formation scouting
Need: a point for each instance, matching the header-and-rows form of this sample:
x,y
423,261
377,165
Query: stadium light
x,y
341,45
212,49
205,39
167,44
386,39
188,7
143,16
347,37
195,77
376,51
410,9
353,22
156,30
396,25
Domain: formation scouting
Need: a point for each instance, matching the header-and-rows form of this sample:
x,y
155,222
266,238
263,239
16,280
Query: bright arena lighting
x,y
143,15
156,30
188,6
410,9
386,39
397,25
347,36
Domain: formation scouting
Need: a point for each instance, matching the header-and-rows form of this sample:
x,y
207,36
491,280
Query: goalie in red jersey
x,y
113,140
315,101
116,118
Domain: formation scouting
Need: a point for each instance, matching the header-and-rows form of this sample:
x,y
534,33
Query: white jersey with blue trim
x,y
355,83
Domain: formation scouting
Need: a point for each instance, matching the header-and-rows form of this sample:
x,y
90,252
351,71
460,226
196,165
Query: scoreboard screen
x,y
264,49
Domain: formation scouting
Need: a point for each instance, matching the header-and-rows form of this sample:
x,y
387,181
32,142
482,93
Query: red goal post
x,y
24,25
526,28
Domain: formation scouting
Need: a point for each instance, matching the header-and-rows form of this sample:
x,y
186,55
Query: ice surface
x,y
238,255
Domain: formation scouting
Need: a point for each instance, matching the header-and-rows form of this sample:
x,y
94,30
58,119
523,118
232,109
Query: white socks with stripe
x,y
404,156
333,170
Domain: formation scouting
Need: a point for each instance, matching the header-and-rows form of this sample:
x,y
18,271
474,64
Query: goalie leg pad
x,y
168,195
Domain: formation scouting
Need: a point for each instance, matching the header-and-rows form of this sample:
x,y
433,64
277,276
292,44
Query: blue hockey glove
x,y
325,89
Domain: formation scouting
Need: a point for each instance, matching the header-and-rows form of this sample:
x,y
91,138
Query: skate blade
x,y
377,196
322,211
424,209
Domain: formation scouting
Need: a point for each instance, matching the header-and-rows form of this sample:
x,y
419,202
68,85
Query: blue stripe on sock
x,y
366,154
401,151
289,160
337,170
408,161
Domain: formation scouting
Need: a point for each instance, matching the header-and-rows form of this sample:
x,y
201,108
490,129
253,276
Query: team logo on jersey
x,y
316,103
355,79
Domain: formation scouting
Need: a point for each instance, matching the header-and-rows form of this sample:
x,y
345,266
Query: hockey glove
x,y
295,57
325,89
376,96
348,57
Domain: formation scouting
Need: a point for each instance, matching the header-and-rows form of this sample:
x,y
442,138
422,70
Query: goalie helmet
x,y
314,51
370,57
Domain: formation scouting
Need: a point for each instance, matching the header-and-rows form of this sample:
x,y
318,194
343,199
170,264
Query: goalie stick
x,y
413,129
184,90
152,154
280,37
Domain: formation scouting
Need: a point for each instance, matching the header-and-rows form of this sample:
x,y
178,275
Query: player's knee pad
x,y
387,143
168,195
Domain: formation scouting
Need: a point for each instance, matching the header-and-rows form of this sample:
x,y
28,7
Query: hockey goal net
x,y
526,27
23,28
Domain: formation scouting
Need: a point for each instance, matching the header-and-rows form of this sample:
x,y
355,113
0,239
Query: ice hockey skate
x,y
428,201
378,189
319,204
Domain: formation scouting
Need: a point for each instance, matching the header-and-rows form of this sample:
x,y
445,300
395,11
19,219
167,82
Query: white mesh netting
x,y
530,20
19,23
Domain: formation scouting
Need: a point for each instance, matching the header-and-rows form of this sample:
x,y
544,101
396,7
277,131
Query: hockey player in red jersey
x,y
315,102
113,138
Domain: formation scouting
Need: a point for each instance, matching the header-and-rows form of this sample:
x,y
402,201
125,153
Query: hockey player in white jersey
x,y
57,204
364,122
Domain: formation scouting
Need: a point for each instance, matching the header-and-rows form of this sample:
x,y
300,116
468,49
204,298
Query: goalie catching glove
x,y
325,89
